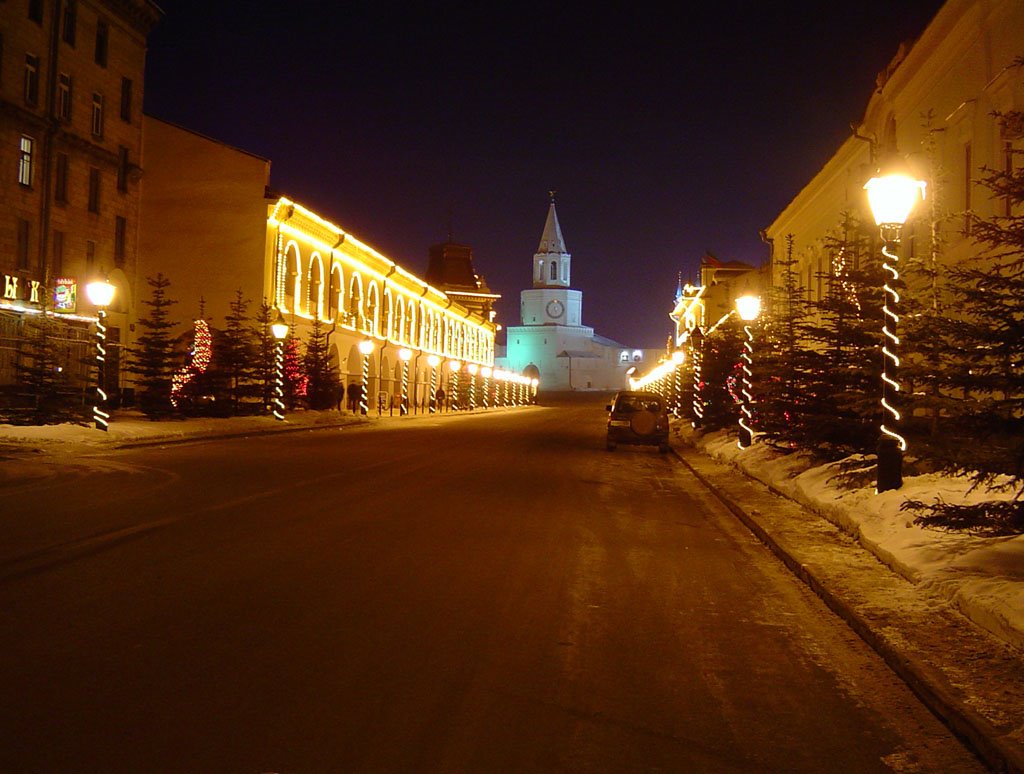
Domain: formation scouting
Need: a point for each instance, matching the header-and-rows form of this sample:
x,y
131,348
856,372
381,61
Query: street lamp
x,y
453,384
100,293
433,361
405,354
365,348
472,368
748,308
280,330
892,194
486,372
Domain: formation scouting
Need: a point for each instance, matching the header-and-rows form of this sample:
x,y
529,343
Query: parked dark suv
x,y
638,418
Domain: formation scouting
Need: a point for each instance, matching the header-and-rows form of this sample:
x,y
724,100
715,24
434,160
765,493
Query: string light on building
x,y
366,349
279,329
403,406
101,294
892,195
202,353
749,309
678,358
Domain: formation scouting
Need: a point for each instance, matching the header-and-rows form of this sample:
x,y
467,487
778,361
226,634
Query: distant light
x,y
100,292
892,196
405,353
279,327
748,307
433,361
366,346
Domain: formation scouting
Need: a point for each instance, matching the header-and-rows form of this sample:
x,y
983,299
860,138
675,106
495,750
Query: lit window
x,y
25,160
97,115
64,97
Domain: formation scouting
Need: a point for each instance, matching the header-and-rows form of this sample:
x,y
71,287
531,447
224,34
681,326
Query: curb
x,y
986,742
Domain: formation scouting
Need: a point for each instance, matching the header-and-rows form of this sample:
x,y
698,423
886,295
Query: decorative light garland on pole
x,y
279,329
678,357
403,405
433,361
472,368
748,308
365,348
696,343
486,372
454,366
891,195
100,294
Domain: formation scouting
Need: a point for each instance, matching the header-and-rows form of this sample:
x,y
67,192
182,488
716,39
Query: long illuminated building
x,y
213,228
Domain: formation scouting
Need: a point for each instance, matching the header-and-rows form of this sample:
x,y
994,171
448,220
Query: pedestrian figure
x,y
353,392
439,398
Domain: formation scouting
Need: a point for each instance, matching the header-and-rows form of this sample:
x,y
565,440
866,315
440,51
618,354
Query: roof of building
x,y
551,240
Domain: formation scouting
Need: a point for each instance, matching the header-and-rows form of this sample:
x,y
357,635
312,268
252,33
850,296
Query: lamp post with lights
x,y
365,349
454,366
433,361
749,309
279,328
100,294
403,404
892,195
678,356
472,368
486,372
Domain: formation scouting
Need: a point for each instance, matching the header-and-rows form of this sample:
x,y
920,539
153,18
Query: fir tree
x,y
295,381
235,351
986,437
41,368
154,359
321,374
780,367
264,353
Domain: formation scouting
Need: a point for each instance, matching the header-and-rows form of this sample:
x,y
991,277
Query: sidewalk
x,y
971,679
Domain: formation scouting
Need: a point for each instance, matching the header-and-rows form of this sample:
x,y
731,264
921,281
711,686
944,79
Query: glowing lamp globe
x,y
433,361
473,368
486,372
405,354
748,307
454,365
100,293
678,356
279,327
893,196
535,382
366,346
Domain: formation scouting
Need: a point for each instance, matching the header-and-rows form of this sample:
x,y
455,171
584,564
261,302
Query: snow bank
x,y
982,576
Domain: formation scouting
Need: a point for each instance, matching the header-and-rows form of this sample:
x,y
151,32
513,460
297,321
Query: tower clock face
x,y
555,309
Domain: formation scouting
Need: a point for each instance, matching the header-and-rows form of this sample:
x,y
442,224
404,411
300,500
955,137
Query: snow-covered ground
x,y
982,576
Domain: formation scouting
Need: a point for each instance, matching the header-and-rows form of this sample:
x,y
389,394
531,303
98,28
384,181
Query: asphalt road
x,y
487,593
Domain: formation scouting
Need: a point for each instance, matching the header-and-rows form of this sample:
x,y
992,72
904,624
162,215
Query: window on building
x,y
97,115
120,231
94,190
69,22
64,97
26,160
122,169
35,11
23,237
31,79
90,258
57,259
60,182
126,100
554,270
102,42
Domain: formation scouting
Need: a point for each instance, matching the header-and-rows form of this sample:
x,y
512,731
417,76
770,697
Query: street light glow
x,y
892,197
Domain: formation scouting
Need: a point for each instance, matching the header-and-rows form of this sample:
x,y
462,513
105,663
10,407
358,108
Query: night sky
x,y
666,134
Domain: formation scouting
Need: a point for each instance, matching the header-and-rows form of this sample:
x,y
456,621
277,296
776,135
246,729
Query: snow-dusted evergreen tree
x,y
233,357
322,383
154,359
986,437
841,409
41,371
780,365
264,353
720,375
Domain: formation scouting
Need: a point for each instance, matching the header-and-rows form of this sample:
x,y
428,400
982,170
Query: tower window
x,y
554,270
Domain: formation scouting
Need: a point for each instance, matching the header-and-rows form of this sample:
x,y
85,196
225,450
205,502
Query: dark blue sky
x,y
666,134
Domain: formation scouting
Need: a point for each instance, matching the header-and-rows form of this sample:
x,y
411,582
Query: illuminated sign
x,y
65,294
21,289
